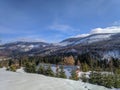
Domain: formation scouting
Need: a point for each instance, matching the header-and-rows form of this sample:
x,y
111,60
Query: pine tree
x,y
62,73
117,81
30,67
20,62
1,65
41,70
85,67
10,62
49,71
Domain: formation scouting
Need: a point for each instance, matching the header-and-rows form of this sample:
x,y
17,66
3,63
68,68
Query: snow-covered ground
x,y
24,81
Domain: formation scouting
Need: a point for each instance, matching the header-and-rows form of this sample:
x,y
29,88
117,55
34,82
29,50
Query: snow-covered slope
x,y
23,81
86,40
109,54
25,46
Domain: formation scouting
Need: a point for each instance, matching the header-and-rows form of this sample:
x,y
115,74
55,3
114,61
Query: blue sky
x,y
55,20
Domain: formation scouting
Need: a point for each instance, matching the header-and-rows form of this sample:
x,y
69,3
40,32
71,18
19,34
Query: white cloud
x,y
112,29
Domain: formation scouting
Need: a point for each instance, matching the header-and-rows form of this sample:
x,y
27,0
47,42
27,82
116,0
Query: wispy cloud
x,y
62,28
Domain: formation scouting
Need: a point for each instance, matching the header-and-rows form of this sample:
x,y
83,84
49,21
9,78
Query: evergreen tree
x,y
49,71
1,65
30,67
107,80
62,73
117,81
20,62
85,67
41,70
10,62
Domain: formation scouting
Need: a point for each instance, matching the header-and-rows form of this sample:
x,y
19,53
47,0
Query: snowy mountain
x,y
106,45
103,44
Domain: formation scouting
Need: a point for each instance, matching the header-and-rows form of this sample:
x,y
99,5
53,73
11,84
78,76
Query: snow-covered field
x,y
24,81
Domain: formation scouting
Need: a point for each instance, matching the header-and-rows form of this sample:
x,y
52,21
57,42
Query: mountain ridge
x,y
98,43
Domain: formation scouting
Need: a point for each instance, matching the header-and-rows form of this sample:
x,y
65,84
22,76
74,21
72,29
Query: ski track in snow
x,y
23,81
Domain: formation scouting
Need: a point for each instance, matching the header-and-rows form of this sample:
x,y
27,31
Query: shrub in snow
x,y
84,78
12,68
74,75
